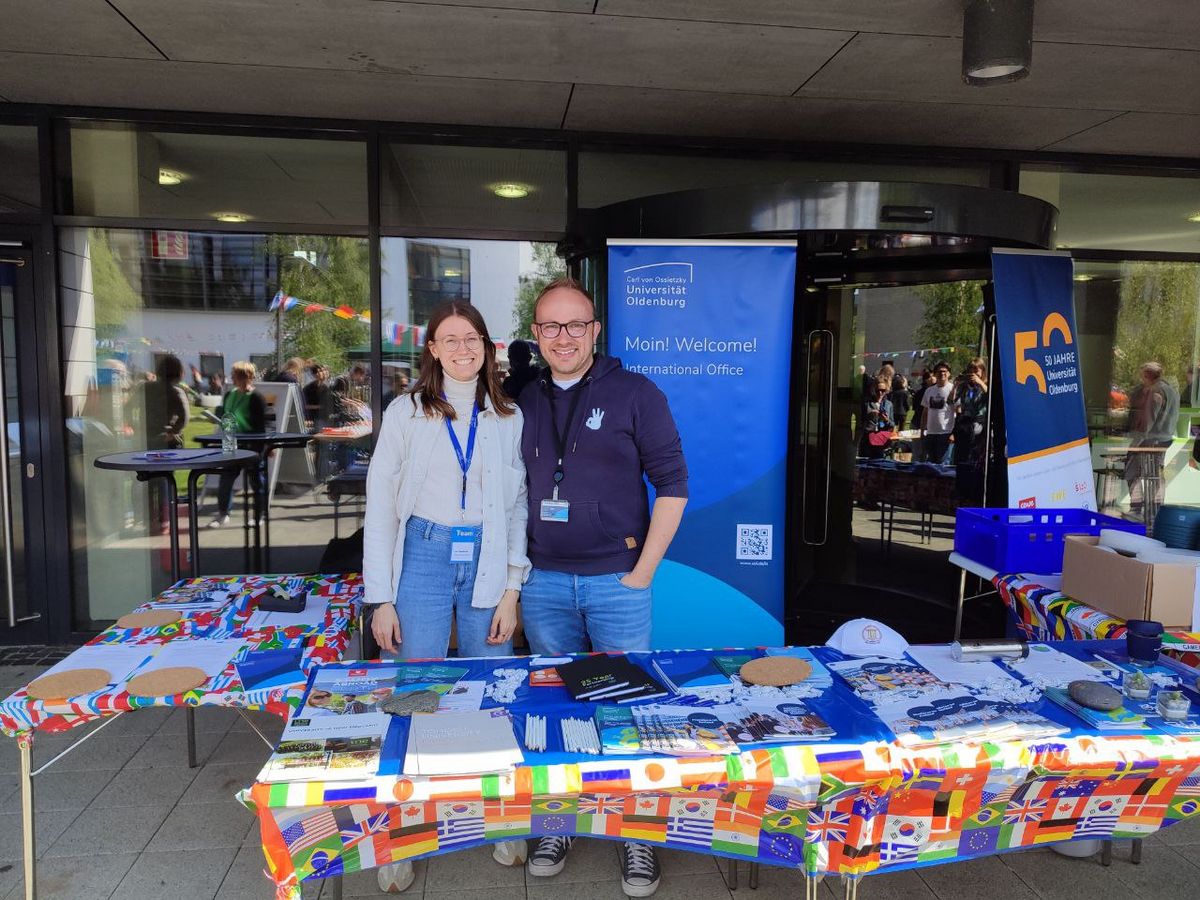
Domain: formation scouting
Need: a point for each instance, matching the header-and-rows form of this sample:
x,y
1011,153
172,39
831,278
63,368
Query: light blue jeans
x,y
562,612
432,589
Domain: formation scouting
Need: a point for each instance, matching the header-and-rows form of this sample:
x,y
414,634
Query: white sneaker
x,y
219,521
510,853
395,877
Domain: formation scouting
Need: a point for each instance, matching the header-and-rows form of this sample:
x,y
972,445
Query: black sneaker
x,y
639,870
550,855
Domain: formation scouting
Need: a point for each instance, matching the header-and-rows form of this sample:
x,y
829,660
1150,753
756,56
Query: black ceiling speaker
x,y
997,40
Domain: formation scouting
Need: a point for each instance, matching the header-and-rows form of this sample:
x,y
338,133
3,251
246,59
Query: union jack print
x,y
827,826
1026,811
601,805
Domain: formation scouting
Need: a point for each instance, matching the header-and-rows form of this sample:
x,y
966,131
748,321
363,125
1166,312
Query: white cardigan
x,y
399,463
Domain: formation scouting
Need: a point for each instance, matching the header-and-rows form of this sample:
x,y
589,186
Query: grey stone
x,y
1094,695
409,702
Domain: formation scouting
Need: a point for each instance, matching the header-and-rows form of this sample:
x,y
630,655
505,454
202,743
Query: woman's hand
x,y
385,626
504,619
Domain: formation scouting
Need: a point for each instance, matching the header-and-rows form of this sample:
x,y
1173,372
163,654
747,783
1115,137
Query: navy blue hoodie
x,y
623,429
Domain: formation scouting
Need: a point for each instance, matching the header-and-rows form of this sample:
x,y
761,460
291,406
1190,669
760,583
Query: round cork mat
x,y
166,682
151,618
776,671
62,685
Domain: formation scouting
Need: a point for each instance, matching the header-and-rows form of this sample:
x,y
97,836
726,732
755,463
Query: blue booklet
x,y
271,668
686,672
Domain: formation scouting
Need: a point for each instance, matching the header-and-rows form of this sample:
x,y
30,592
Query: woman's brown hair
x,y
430,386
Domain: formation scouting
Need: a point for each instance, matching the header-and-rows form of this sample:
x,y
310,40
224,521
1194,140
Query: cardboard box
x,y
1126,587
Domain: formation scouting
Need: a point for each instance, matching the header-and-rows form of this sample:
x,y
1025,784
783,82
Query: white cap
x,y
866,637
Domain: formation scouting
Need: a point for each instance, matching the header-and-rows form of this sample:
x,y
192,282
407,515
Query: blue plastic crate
x,y
1027,540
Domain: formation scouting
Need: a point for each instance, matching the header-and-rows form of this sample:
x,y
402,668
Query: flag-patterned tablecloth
x,y
843,808
1045,614
21,716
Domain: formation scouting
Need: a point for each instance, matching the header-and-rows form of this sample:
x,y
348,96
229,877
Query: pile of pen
x,y
580,736
535,732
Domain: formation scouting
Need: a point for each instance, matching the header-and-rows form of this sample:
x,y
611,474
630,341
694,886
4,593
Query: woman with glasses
x,y
444,530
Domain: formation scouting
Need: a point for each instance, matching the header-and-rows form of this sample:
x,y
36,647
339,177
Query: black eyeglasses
x,y
554,329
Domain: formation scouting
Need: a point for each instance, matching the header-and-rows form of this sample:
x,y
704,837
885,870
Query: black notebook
x,y
608,677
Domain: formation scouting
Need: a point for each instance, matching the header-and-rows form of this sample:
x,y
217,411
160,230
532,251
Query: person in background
x,y
595,433
166,405
292,371
399,386
1153,411
249,412
444,532
923,379
216,384
969,438
520,371
937,416
314,392
878,423
901,400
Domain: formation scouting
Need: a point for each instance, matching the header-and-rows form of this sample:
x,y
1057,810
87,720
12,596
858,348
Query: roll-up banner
x,y
1049,459
710,322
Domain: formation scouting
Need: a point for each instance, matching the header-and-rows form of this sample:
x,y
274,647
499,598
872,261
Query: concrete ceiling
x,y
1109,76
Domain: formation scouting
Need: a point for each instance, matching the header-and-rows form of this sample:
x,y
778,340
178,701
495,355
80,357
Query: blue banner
x,y
1049,459
711,324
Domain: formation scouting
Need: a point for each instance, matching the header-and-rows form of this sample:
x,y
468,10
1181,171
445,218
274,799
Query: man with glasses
x,y
592,431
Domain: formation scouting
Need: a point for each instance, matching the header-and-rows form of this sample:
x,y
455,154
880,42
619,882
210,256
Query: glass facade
x,y
216,245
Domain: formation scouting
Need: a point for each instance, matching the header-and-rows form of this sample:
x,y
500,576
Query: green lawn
x,y
197,425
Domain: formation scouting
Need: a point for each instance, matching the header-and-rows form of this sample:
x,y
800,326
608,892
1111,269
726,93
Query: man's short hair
x,y
245,369
565,282
942,365
1153,368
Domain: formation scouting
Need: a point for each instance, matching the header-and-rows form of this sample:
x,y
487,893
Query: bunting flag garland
x,y
912,354
393,332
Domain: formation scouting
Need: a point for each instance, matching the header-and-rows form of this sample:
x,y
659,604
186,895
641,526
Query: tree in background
x,y
547,267
951,318
1156,321
330,271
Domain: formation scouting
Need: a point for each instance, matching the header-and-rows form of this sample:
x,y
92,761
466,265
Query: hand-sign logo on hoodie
x,y
595,419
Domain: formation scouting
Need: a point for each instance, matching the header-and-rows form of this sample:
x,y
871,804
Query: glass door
x,y
891,434
16,604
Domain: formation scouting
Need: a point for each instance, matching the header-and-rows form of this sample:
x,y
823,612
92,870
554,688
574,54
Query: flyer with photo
x,y
328,748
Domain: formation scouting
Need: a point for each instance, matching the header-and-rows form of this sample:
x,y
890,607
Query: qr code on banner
x,y
754,542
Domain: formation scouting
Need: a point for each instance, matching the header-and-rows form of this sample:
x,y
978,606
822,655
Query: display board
x,y
1049,459
710,322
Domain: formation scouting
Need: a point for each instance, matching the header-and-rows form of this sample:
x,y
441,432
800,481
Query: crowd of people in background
x,y
948,413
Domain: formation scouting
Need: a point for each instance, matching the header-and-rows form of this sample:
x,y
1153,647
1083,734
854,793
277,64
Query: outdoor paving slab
x,y
50,827
139,721
364,884
77,877
470,869
1164,874
209,720
240,747
146,787
109,831
588,860
170,750
177,873
55,789
501,893
777,883
1056,877
269,724
103,751
681,887
681,862
203,826
975,878
1186,832
246,878
10,789
220,782
10,874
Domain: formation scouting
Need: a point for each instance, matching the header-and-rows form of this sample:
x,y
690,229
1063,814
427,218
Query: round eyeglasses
x,y
451,344
554,329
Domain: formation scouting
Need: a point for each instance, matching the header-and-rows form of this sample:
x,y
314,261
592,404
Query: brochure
x,y
618,731
328,748
943,716
682,731
872,676
751,722
340,691
461,743
686,672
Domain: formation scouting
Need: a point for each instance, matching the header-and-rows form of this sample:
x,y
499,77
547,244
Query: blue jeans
x,y
561,613
432,589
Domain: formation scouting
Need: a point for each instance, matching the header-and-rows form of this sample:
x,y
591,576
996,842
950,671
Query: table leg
x,y
1135,855
28,836
732,876
335,517
193,525
1106,853
190,718
173,524
754,876
333,888
962,596
264,514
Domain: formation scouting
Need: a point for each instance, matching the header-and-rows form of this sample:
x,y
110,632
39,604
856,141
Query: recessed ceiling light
x,y
170,176
234,217
510,190
1083,277
451,273
1194,217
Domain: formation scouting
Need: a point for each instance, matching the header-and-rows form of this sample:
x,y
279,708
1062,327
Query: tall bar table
x,y
150,464
262,443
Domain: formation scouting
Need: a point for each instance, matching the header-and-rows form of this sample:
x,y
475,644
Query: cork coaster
x,y
166,682
776,671
62,685
151,618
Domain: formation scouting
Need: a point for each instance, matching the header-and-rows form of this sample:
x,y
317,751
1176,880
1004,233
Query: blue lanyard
x,y
464,462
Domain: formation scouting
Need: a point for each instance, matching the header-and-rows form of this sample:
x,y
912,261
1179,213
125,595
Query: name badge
x,y
556,511
462,544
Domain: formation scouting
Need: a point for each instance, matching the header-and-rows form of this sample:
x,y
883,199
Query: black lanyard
x,y
560,437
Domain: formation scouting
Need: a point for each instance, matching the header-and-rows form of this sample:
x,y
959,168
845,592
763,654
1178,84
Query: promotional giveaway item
x,y
866,637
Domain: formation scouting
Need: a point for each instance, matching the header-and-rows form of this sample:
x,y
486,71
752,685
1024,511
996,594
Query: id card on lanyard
x,y
553,509
463,537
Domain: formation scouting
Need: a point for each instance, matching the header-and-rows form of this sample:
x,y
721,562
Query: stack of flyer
x,y
955,715
461,743
328,748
